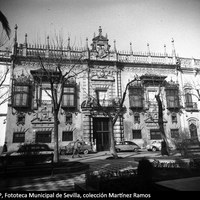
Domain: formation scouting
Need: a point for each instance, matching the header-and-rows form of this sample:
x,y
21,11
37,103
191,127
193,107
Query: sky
x,y
138,21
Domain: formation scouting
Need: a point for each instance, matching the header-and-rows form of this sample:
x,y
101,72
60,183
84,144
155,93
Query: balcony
x,y
109,104
191,106
136,106
91,104
46,102
173,105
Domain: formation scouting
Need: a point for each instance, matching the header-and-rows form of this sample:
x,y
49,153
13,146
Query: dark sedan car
x,y
127,146
31,149
68,149
29,154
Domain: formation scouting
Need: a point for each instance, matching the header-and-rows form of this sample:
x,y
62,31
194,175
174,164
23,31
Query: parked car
x,y
29,154
68,149
127,146
31,149
154,146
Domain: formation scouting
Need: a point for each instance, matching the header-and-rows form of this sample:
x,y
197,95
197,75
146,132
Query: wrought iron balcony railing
x,y
92,103
191,105
173,104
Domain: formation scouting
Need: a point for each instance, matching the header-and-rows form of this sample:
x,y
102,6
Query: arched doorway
x,y
193,131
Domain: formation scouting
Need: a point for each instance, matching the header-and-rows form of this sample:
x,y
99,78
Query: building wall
x,y
33,119
145,123
110,71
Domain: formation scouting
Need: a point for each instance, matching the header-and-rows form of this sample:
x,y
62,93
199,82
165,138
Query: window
x,y
46,96
21,119
68,118
136,134
137,118
151,95
102,97
172,98
174,133
69,96
136,97
188,99
21,96
174,118
43,136
67,136
18,137
193,131
155,135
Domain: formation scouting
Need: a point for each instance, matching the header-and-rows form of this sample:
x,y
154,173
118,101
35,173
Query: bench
x,y
24,163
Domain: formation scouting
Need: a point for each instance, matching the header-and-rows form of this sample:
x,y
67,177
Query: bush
x,y
188,147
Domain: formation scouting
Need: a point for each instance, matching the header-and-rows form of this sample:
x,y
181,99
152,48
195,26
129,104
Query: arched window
x,y
188,98
193,130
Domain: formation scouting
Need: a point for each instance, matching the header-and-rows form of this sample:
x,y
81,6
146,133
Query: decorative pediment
x,y
102,75
100,44
153,118
153,79
171,84
188,86
22,79
45,115
70,81
42,75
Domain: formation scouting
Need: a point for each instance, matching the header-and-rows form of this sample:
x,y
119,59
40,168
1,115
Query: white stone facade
x,y
108,72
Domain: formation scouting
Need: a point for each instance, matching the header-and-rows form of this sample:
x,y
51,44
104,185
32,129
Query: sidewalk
x,y
97,161
65,182
185,184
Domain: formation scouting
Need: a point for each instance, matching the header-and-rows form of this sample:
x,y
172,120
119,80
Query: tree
x,y
113,110
160,82
165,145
6,28
3,88
4,73
58,75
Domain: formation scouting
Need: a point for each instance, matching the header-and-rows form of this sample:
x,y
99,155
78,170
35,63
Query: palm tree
x,y
5,24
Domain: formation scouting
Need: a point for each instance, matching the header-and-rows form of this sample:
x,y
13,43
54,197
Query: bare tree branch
x,y
3,77
5,24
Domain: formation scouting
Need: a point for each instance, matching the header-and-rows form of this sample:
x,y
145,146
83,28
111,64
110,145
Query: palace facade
x,y
30,109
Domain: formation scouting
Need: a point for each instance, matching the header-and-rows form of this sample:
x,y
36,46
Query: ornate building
x,y
30,116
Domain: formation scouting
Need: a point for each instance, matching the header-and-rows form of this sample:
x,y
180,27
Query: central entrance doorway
x,y
101,133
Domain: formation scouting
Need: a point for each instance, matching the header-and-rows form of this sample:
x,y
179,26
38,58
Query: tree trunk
x,y
56,123
165,147
112,139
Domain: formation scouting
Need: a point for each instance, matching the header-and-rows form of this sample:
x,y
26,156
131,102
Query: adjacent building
x,y
30,109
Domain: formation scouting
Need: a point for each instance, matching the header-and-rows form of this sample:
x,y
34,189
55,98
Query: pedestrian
x,y
76,149
164,151
5,149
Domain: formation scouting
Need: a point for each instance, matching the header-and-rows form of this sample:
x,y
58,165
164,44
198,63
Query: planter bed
x,y
130,180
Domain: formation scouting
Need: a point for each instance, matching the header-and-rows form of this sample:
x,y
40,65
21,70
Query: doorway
x,y
101,133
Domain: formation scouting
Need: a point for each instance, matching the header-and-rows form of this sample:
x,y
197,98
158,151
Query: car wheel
x,y
62,152
86,151
135,150
154,149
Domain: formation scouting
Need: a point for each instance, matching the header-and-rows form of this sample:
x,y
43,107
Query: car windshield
x,y
155,142
130,143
